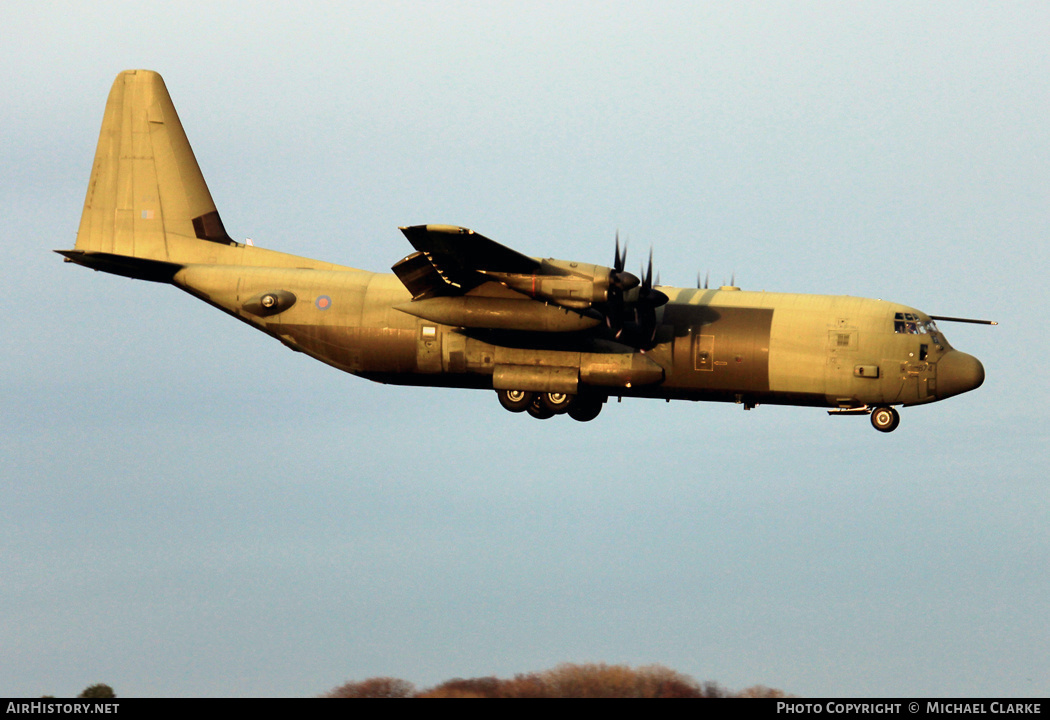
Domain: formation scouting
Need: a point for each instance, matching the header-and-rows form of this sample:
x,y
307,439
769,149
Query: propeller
x,y
647,293
649,298
622,281
630,310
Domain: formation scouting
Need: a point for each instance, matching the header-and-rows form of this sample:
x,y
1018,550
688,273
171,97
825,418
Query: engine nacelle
x,y
578,286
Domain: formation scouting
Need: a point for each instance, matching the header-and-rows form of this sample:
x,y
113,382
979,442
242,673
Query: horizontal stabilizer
x,y
132,267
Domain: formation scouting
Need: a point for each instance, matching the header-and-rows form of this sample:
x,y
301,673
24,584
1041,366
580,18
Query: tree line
x,y
568,680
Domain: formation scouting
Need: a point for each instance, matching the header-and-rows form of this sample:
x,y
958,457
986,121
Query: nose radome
x,y
957,373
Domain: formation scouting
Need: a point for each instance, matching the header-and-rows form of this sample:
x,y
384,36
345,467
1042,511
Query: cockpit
x,y
911,324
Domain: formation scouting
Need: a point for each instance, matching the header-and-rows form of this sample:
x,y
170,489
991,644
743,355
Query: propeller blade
x,y
619,260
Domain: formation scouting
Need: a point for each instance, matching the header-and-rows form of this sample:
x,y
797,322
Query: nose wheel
x,y
885,419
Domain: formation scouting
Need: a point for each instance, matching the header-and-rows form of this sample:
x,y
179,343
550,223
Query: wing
x,y
461,278
453,260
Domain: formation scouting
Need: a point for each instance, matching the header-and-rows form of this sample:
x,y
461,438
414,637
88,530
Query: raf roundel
x,y
323,302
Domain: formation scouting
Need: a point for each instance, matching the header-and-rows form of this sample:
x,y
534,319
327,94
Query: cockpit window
x,y
912,324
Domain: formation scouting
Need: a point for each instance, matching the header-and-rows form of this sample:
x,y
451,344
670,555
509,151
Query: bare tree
x,y
377,687
98,691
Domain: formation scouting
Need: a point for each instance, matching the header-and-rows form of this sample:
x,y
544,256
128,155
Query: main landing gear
x,y
583,407
885,419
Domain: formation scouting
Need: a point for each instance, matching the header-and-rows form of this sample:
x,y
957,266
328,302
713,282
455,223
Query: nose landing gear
x,y
885,419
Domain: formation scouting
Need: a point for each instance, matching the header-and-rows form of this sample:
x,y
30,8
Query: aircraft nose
x,y
957,373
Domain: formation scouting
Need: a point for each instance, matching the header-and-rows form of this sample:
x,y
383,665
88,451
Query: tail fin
x,y
147,197
148,211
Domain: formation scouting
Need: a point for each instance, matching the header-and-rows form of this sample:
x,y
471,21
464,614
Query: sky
x,y
189,509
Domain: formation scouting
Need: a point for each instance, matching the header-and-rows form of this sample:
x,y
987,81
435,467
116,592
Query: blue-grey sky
x,y
188,508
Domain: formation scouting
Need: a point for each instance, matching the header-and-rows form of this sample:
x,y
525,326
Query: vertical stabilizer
x,y
147,197
148,211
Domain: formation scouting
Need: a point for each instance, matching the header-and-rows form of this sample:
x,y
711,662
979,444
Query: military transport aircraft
x,y
549,336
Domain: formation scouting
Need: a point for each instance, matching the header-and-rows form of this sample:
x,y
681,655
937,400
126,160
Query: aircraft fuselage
x,y
717,344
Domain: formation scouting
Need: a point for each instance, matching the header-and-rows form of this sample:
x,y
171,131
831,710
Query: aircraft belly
x,y
355,350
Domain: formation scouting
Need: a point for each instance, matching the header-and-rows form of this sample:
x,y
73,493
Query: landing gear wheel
x,y
557,403
885,419
586,408
515,400
538,409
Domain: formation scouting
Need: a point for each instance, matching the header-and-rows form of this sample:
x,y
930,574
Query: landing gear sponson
x,y
546,405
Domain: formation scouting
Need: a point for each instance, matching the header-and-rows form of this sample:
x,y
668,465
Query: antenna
x,y
963,320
